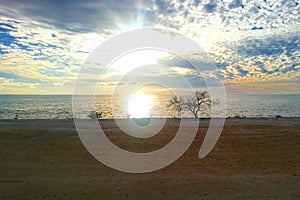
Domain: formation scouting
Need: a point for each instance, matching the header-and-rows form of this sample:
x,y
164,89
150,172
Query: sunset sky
x,y
254,44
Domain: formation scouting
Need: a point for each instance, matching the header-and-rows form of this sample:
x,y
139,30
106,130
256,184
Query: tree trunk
x,y
195,115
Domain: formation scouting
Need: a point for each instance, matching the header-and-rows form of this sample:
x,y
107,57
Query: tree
x,y
176,103
195,103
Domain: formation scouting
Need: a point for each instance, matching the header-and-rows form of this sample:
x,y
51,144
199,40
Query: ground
x,y
253,159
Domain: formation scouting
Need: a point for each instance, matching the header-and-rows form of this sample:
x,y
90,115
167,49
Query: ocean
x,y
60,106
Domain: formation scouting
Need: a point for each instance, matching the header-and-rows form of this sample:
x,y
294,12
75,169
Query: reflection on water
x,y
140,105
135,106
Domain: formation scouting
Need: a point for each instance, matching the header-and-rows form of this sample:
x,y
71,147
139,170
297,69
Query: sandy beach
x,y
253,159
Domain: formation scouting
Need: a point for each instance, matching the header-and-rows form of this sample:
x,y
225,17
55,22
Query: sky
x,y
254,44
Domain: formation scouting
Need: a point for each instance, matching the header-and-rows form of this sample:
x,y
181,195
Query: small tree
x,y
193,103
176,103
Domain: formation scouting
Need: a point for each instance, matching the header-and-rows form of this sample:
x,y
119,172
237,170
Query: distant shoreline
x,y
107,119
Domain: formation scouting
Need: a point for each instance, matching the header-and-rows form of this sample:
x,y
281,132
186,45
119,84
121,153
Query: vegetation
x,y
196,103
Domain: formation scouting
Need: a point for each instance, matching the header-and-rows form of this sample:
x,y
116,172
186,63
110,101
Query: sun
x,y
139,105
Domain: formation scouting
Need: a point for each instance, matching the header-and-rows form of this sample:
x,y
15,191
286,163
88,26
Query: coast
x,y
253,159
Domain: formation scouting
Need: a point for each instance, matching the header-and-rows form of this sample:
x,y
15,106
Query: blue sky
x,y
255,44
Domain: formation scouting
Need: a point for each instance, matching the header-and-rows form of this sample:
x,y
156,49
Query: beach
x,y
253,159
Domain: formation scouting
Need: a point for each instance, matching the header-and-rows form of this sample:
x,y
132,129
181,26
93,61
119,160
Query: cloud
x,y
196,62
11,86
260,58
235,4
270,46
75,16
108,16
210,7
286,87
43,54
45,43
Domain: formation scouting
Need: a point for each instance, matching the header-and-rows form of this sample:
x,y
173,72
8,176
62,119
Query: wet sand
x,y
253,159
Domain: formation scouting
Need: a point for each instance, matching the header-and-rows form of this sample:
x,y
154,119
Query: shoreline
x,y
206,118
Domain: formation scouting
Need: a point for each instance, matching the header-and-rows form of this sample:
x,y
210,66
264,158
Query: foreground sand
x,y
254,159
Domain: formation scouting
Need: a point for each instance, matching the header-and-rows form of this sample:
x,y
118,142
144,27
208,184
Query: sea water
x,y
60,106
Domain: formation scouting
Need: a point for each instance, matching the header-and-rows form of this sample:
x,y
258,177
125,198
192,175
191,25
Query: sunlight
x,y
135,59
139,105
137,25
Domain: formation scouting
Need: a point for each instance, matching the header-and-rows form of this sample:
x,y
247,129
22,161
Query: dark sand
x,y
253,159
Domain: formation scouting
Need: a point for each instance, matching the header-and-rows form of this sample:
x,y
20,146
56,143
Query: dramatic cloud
x,y
255,44
75,16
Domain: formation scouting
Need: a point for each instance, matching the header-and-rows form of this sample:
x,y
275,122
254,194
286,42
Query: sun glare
x,y
135,59
139,105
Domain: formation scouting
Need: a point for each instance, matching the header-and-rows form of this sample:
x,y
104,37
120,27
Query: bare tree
x,y
176,103
195,103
